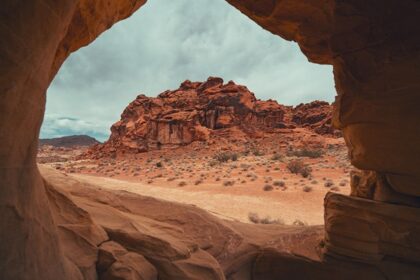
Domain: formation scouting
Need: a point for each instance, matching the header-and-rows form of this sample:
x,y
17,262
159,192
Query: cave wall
x,y
373,47
37,36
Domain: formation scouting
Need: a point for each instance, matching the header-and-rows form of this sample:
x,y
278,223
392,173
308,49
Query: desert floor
x,y
254,185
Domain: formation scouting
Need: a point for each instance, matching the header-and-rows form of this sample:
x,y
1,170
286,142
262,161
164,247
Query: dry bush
x,y
297,166
182,184
279,183
198,182
226,156
311,153
307,189
329,183
255,218
267,188
228,183
276,157
300,223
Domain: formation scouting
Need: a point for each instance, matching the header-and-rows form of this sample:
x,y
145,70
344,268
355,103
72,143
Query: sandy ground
x,y
256,183
287,207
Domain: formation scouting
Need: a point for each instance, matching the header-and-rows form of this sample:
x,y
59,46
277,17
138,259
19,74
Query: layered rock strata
x,y
196,110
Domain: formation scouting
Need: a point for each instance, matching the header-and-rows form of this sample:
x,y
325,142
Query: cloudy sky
x,y
165,43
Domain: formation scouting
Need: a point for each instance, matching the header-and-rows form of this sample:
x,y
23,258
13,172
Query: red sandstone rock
x,y
316,115
196,111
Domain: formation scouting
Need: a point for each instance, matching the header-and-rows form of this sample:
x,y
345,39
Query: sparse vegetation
x,y
182,184
198,182
307,189
226,156
279,183
300,223
228,183
297,166
267,188
276,157
159,164
329,183
255,218
310,153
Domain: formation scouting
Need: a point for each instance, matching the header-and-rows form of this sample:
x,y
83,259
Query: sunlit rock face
x,y
373,46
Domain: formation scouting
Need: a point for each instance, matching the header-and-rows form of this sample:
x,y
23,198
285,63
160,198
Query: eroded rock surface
x,y
197,111
121,235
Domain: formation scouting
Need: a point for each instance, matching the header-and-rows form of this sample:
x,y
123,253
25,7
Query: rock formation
x,y
374,49
317,116
196,110
69,141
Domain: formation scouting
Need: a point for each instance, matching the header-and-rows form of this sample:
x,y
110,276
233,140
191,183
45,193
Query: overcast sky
x,y
165,43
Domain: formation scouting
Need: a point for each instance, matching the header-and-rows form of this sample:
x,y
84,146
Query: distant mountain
x,y
69,141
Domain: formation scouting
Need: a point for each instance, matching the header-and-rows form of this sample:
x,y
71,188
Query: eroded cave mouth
x,y
88,232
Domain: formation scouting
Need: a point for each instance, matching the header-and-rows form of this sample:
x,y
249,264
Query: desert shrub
x,y
159,164
343,183
255,218
336,189
182,184
234,156
307,189
299,167
279,183
311,153
276,157
198,182
228,183
267,188
226,156
299,223
256,152
213,163
329,183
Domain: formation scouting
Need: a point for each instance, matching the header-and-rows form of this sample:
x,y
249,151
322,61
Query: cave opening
x,y
282,148
56,226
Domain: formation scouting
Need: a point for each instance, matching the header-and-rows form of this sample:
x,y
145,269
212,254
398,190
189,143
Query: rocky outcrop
x,y
190,114
69,141
317,116
196,110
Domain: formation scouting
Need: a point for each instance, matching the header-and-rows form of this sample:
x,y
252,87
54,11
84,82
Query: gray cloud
x,y
167,42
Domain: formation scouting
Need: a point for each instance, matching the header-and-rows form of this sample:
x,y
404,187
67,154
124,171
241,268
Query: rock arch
x,y
375,51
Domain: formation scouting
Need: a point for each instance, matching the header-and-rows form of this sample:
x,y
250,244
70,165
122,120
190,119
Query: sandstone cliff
x,y
197,110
